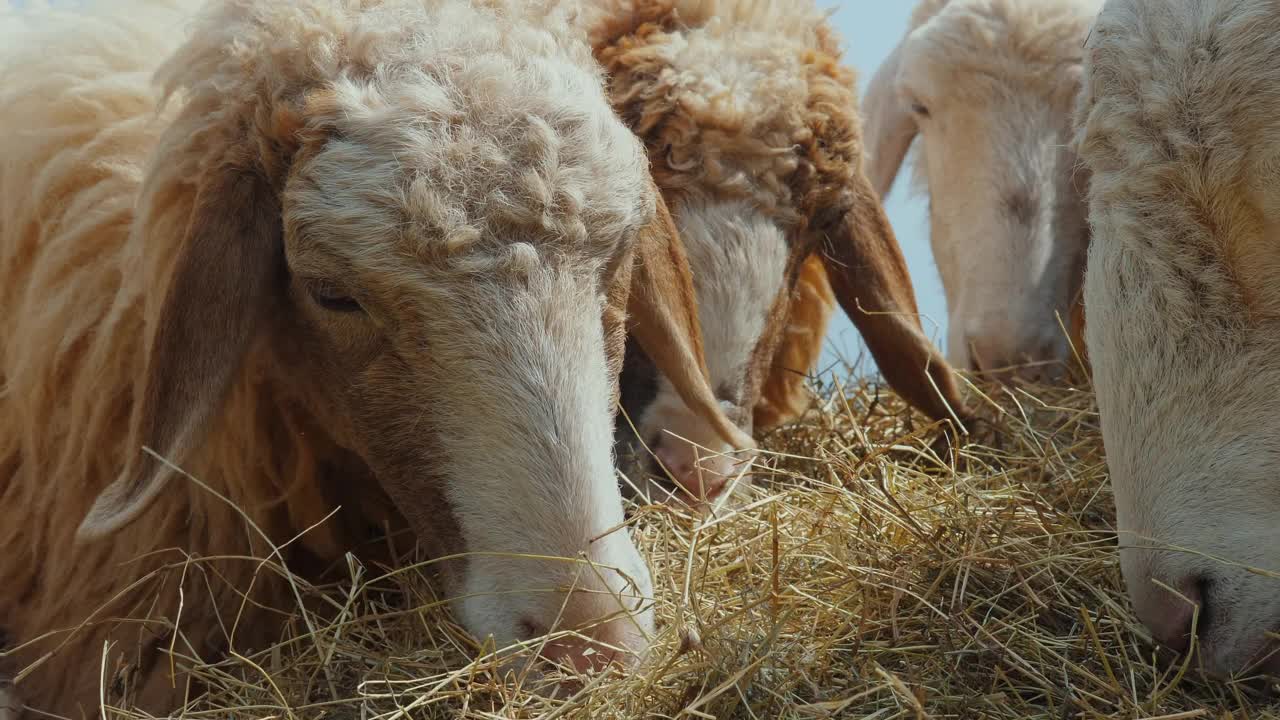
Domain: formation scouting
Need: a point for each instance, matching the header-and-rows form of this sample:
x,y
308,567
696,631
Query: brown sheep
x,y
374,255
751,125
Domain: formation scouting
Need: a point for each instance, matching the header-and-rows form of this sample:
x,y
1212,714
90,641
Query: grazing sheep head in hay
x,y
751,124
427,217
989,86
1178,124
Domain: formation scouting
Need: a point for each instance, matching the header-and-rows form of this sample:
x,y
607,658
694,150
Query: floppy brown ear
x,y
869,276
664,316
888,125
224,270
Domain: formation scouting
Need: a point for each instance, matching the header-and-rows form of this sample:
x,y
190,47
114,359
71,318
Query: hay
x,y
862,578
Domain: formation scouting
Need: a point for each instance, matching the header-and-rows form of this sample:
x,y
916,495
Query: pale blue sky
x,y
870,29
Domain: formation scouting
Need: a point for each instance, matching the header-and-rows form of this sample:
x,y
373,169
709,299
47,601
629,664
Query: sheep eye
x,y
331,297
919,109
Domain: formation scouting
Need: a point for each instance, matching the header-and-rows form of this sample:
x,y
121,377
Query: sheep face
x,y
432,244
989,86
475,363
1178,126
740,259
751,124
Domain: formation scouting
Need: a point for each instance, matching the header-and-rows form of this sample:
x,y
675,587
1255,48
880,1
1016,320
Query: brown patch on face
x,y
392,477
761,366
1076,328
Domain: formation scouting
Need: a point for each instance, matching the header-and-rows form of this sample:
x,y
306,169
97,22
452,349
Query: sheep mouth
x,y
655,474
642,478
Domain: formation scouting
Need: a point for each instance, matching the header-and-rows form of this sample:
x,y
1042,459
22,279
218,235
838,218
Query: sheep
x,y
990,86
1179,127
752,129
349,264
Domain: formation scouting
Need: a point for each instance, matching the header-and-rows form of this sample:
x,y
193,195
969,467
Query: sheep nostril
x,y
527,629
1176,617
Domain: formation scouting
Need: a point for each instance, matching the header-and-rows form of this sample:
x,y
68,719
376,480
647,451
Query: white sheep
x,y
989,86
374,255
1179,125
751,124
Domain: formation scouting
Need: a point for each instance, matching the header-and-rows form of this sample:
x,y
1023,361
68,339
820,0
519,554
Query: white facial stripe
x,y
738,258
527,424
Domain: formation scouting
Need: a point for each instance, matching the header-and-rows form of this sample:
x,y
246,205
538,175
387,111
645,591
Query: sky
x,y
870,29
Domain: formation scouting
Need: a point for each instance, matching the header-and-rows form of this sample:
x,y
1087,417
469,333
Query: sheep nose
x,y
701,477
606,634
583,655
1038,359
1170,615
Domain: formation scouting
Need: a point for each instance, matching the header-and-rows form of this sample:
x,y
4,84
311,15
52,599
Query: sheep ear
x,y
888,126
224,270
869,277
664,317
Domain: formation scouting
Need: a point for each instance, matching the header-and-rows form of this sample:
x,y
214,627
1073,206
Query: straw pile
x,y
862,578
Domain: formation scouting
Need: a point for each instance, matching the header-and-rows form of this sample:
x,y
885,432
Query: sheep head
x,y
989,87
752,127
428,227
1178,125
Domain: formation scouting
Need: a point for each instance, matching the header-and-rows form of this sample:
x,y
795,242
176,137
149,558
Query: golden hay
x,y
861,579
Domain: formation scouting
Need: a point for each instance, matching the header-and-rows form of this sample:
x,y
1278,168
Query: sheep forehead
x,y
382,222
457,163
477,119
1013,42
749,74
